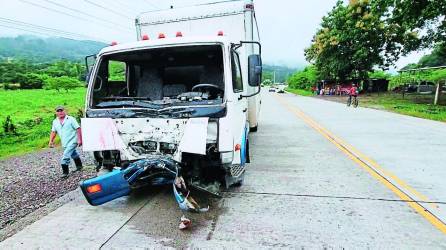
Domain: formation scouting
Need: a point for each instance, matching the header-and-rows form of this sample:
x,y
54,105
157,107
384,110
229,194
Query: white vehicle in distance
x,y
281,88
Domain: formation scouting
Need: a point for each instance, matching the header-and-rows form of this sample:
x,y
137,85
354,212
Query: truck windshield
x,y
156,78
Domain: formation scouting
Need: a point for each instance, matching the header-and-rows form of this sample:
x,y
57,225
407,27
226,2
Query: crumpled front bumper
x,y
118,183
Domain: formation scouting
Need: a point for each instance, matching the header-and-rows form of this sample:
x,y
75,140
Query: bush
x,y
31,81
9,127
63,82
79,115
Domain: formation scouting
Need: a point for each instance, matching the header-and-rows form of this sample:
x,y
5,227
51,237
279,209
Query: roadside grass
x,y
32,112
302,92
414,105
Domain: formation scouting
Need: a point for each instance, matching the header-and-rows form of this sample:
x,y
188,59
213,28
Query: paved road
x,y
322,176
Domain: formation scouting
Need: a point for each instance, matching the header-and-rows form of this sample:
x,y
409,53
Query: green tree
x,y
267,77
31,81
14,71
63,82
413,24
350,42
436,58
379,74
63,68
304,79
116,71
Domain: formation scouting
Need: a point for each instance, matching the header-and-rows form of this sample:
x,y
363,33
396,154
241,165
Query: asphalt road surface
x,y
322,176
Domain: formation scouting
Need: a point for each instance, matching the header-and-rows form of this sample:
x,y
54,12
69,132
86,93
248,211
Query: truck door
x,y
240,109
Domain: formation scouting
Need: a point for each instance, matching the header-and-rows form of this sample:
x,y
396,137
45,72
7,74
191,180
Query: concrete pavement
x,y
300,190
410,151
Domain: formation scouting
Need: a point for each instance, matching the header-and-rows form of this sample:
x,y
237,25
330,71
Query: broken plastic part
x,y
184,223
185,201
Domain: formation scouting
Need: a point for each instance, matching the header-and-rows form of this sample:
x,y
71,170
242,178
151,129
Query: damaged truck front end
x,y
165,115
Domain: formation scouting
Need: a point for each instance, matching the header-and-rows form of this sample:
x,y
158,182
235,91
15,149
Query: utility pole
x,y
274,77
438,89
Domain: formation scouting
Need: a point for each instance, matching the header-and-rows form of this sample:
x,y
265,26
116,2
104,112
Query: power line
x,y
36,32
84,13
54,10
151,4
123,7
15,22
108,9
132,7
46,34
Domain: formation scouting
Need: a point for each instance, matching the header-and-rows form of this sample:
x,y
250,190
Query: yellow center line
x,y
369,161
371,167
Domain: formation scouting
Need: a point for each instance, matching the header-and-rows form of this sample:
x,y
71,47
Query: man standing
x,y
70,135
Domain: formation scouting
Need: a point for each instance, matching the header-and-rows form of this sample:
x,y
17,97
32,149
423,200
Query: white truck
x,y
184,96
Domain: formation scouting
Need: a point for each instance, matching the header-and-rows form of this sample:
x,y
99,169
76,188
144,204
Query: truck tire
x,y
248,158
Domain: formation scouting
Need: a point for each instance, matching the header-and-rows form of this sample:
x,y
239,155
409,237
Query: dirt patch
x,y
31,181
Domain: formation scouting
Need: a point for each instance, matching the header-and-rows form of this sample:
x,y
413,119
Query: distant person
x,y
70,135
352,93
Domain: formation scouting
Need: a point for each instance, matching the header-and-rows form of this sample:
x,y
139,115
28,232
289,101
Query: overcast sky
x,y
286,26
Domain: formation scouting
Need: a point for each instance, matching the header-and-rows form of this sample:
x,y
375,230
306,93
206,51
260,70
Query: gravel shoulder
x,y
30,187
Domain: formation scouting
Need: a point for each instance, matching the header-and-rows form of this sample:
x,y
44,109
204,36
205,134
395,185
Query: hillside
x,y
36,49
282,72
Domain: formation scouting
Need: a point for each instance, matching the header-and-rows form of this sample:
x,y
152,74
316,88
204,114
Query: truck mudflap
x,y
157,170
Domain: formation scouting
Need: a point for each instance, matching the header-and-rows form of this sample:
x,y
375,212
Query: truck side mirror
x,y
89,63
254,70
88,75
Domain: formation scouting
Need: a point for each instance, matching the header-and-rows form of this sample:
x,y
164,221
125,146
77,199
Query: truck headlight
x,y
226,157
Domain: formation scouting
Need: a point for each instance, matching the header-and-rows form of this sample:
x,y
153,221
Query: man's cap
x,y
60,107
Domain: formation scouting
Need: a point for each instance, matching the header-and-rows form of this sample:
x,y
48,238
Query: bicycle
x,y
355,101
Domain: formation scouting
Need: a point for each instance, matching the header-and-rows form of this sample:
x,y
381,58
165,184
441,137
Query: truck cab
x,y
183,97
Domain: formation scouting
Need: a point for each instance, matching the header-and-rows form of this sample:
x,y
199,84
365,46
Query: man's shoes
x,y
78,163
65,171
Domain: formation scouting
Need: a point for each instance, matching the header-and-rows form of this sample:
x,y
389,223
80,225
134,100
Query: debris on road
x,y
156,170
184,223
185,201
